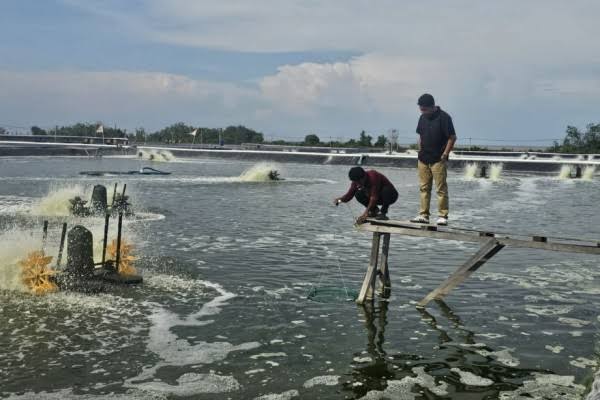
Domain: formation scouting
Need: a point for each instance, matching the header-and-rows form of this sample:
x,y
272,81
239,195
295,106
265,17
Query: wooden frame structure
x,y
491,244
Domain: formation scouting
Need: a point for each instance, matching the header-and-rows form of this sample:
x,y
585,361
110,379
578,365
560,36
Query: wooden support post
x,y
487,251
62,244
119,226
368,287
105,237
44,235
384,276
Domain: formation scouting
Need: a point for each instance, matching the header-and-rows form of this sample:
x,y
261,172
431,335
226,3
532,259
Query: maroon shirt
x,y
375,182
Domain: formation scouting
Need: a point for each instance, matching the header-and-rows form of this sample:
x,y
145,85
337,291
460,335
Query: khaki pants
x,y
428,173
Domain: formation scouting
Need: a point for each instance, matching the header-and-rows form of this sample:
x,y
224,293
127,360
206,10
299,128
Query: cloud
x,y
535,31
501,68
147,99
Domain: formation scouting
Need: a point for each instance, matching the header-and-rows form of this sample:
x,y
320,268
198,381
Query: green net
x,y
331,294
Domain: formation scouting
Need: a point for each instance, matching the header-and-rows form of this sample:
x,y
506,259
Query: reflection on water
x,y
523,315
460,368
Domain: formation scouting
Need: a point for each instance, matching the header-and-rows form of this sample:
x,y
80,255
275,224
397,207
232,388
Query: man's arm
x,y
449,147
348,196
451,133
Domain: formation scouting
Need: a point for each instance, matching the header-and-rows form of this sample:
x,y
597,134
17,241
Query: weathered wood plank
x,y
386,284
367,289
487,251
407,229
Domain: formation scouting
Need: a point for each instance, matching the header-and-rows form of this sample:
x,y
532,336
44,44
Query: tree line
x,y
575,140
182,133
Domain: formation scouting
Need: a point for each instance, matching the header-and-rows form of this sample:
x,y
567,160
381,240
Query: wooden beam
x,y
487,251
384,276
367,289
465,235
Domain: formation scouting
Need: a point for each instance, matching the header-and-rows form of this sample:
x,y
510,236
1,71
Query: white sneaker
x,y
420,219
442,221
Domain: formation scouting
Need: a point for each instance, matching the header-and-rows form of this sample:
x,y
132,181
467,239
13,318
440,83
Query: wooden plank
x,y
386,284
487,251
580,247
367,287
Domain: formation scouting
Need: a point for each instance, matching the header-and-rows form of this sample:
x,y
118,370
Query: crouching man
x,y
371,189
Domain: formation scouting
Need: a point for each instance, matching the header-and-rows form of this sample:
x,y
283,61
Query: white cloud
x,y
511,31
503,68
132,98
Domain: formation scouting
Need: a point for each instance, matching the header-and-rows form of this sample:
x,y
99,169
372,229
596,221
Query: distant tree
x,y
576,141
3,131
365,140
37,131
381,141
312,140
140,135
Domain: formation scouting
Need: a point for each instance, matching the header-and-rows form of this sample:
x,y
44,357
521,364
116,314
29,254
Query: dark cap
x,y
356,174
426,100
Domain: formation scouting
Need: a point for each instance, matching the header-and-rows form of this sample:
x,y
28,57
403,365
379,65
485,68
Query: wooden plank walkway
x,y
491,244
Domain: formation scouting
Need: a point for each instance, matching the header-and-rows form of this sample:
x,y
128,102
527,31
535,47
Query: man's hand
x,y
445,157
337,201
362,219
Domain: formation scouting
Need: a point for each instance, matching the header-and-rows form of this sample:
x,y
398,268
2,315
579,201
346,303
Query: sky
x,y
515,72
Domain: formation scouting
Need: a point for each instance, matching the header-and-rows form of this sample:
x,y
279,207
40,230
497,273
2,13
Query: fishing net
x,y
126,259
331,294
36,274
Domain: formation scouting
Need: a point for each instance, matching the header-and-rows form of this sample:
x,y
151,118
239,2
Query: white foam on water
x,y
325,380
191,384
67,394
287,395
15,204
582,362
470,379
554,349
254,371
574,322
558,309
402,389
546,387
268,355
174,351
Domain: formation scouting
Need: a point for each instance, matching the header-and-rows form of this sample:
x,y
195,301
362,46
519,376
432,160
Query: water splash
x,y
471,171
156,155
496,171
56,202
565,172
258,173
588,173
14,247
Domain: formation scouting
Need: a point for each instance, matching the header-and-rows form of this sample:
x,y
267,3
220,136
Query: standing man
x,y
436,140
370,188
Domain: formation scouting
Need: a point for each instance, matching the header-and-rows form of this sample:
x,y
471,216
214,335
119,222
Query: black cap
x,y
426,100
356,174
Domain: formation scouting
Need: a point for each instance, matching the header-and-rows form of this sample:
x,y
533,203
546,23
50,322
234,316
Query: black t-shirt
x,y
435,130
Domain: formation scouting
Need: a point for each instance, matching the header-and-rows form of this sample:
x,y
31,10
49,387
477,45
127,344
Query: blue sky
x,y
506,71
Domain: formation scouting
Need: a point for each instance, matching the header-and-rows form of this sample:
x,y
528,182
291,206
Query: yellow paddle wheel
x,y
36,273
126,258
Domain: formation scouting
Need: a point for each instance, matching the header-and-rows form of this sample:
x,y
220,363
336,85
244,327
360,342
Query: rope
x,y
339,264
342,276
